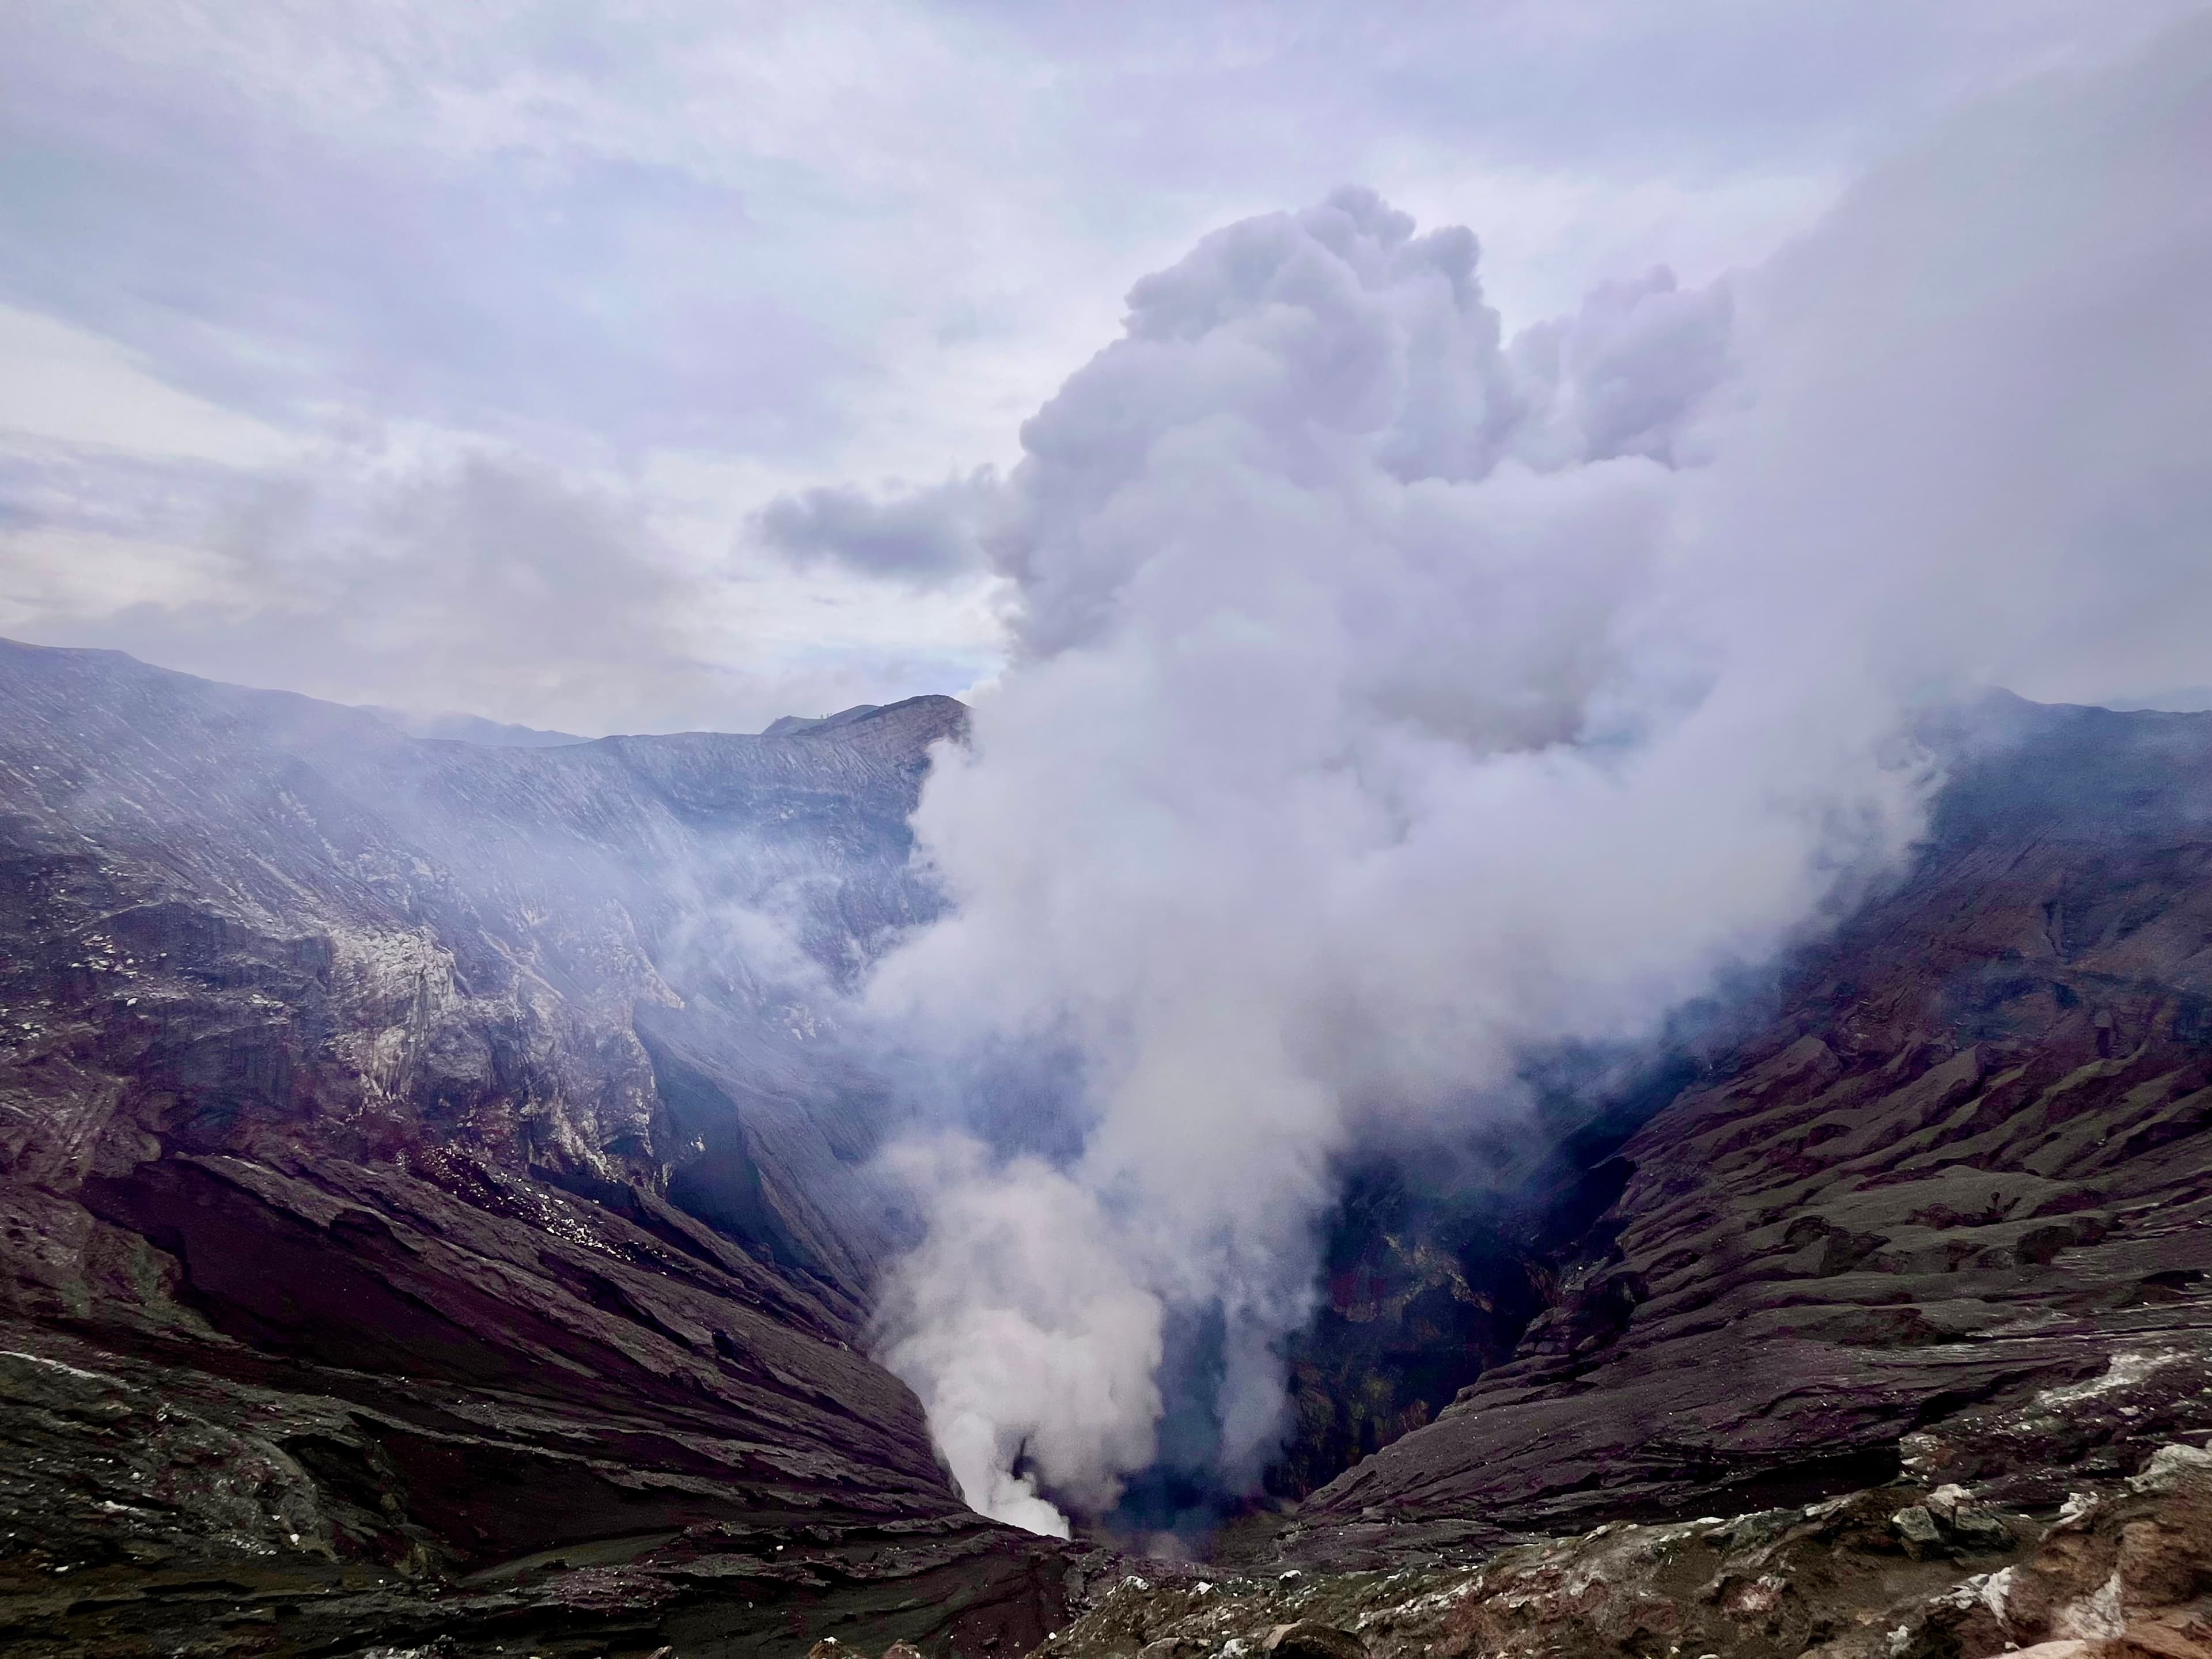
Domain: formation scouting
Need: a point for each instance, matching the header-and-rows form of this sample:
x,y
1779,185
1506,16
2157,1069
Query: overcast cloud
x,y
582,366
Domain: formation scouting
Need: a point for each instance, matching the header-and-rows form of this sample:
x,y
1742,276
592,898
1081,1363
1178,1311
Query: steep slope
x,y
1966,1165
429,1202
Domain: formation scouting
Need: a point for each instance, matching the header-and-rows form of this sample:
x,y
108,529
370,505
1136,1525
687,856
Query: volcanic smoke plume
x,y
1393,697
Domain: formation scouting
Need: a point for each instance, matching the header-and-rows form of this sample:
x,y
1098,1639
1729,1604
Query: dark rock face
x,y
1967,1164
430,1205
1419,1304
1435,1267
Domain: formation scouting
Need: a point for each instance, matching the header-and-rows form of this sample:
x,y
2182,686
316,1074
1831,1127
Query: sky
x,y
543,361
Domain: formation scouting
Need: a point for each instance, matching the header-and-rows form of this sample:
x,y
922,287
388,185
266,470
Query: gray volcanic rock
x,y
1966,1165
2124,1572
431,1192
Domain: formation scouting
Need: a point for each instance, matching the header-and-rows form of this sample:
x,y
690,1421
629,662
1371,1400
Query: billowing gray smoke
x,y
1393,697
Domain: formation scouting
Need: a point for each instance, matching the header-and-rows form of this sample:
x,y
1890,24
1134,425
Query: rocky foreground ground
x,y
1902,1571
1922,1567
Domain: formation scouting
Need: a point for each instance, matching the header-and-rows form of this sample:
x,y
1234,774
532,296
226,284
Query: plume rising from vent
x,y
1393,697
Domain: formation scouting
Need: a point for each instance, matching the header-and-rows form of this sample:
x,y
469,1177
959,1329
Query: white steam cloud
x,y
1393,697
